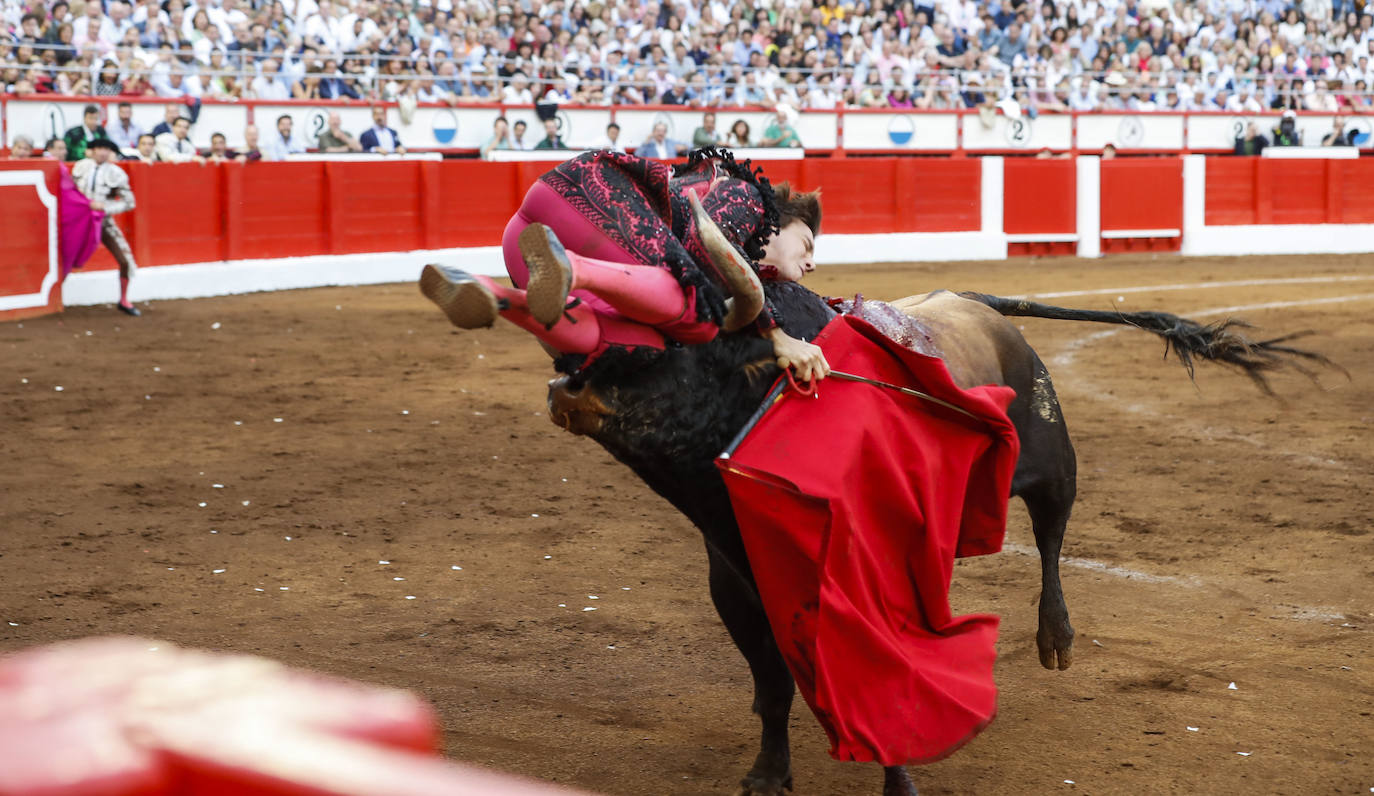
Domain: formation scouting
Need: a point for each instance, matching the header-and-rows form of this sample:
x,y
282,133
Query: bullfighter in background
x,y
106,185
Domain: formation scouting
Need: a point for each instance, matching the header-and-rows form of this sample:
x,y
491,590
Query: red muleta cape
x,y
853,505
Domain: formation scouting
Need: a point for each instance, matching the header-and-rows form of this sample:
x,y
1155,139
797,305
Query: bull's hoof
x,y
464,298
1055,643
763,785
551,274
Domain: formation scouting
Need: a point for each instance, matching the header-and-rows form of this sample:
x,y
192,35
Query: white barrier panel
x,y
1129,131
1055,132
1311,153
898,132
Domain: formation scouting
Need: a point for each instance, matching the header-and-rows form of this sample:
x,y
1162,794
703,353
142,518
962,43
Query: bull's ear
x,y
730,270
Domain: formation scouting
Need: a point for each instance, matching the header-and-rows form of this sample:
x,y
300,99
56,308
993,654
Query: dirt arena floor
x,y
298,440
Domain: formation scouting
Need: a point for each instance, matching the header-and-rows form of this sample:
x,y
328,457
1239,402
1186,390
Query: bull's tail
x,y
1215,342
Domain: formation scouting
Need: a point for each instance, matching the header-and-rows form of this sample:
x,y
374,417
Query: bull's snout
x,y
575,407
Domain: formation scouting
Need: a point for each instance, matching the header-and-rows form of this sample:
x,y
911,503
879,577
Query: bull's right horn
x,y
732,271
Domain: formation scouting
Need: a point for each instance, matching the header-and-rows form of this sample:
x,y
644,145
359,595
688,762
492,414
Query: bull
x,y
668,423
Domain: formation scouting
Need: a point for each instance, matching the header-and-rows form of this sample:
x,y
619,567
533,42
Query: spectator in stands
x,y
335,139
137,83
379,137
170,113
707,135
659,145
284,143
333,83
219,150
146,149
739,135
1339,136
1287,134
22,148
250,152
1253,142
89,130
500,138
781,133
124,132
1010,45
55,149
611,142
1109,151
107,84
176,146
269,85
518,92
552,140
517,136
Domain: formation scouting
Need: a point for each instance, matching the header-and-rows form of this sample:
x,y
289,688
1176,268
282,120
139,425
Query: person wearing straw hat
x,y
107,187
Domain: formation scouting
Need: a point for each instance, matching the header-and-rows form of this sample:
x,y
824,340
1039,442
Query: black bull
x,y
668,422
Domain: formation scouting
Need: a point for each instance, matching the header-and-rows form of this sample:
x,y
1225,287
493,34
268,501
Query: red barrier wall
x,y
1142,194
24,239
1040,197
1265,191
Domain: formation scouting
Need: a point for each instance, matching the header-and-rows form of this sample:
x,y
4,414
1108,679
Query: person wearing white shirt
x,y
518,141
284,143
122,130
176,146
94,28
175,82
659,145
324,27
518,92
380,138
611,141
269,85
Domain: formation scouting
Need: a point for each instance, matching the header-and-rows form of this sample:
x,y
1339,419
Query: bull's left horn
x,y
732,271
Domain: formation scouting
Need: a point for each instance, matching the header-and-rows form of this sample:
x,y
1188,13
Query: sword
x,y
837,374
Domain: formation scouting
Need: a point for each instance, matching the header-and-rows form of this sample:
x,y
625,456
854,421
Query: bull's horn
x,y
732,271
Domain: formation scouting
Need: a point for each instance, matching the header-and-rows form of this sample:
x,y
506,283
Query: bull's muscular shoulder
x,y
975,341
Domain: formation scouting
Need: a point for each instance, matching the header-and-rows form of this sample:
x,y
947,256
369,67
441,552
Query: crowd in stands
x,y
1236,55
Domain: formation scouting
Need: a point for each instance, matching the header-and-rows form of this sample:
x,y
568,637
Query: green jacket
x,y
76,141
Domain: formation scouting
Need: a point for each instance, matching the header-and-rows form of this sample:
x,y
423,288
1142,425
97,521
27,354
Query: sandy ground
x,y
1220,536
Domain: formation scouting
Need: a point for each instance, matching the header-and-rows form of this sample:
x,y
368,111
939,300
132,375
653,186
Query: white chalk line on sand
x,y
1105,568
1326,614
1296,280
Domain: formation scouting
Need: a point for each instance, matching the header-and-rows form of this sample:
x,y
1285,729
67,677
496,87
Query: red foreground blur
x,y
124,716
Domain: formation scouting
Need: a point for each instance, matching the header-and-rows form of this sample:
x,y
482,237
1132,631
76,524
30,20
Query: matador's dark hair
x,y
798,206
